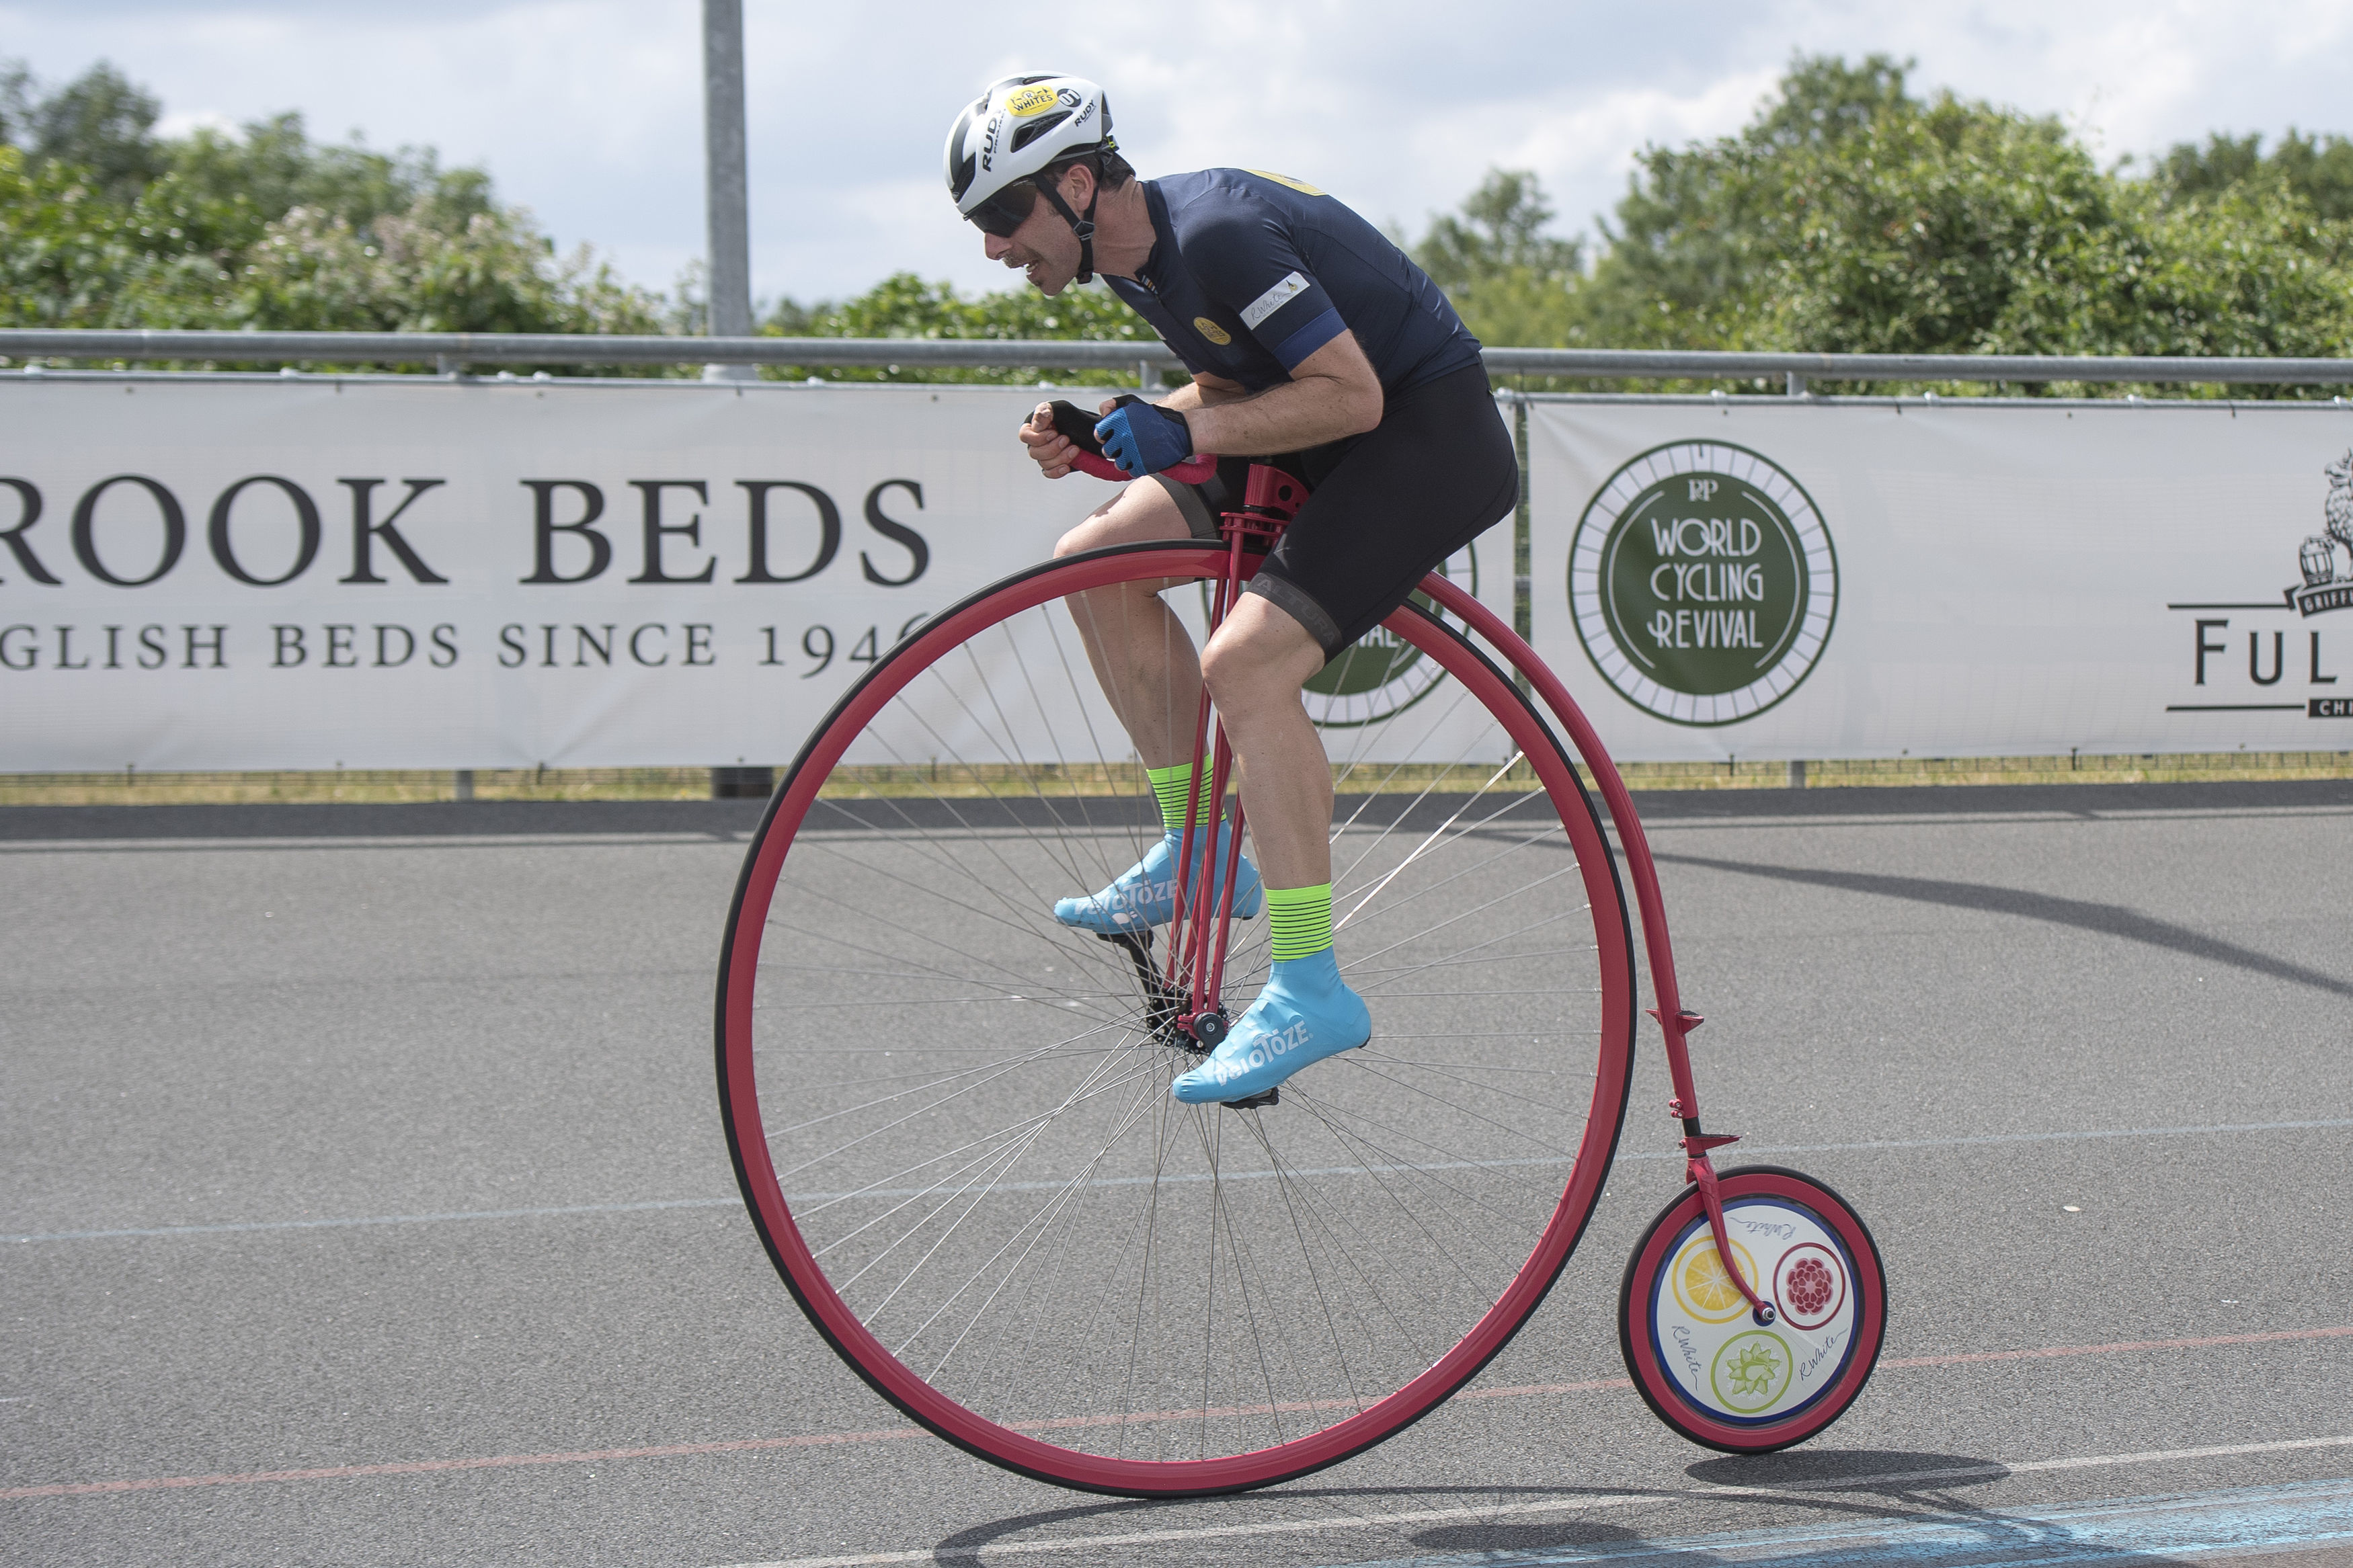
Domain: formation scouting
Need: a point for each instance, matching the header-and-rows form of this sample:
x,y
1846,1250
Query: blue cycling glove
x,y
1143,439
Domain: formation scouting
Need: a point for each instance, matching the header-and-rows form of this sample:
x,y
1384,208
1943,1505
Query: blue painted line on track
x,y
2174,1525
1746,1149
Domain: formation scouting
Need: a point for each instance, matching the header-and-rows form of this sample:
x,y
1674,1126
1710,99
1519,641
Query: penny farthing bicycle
x,y
950,1115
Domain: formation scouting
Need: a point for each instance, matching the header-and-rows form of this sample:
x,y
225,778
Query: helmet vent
x,y
1032,130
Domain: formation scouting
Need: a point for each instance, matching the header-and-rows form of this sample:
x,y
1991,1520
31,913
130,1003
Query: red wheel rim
x,y
1658,1385
1019,1449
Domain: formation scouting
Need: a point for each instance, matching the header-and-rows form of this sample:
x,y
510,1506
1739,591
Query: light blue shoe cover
x,y
1306,1013
1146,895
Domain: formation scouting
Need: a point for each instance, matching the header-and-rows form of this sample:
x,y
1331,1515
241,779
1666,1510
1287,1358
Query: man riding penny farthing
x,y
1018,1159
1320,349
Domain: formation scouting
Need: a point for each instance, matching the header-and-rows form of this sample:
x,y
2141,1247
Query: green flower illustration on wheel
x,y
1750,1371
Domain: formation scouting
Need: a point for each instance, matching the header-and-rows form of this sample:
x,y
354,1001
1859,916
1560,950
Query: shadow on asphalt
x,y
1800,1468
730,818
2109,919
965,1547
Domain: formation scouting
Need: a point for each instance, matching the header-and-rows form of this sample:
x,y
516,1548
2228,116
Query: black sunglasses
x,y
1006,211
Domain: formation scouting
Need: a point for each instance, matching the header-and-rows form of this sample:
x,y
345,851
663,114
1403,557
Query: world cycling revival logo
x,y
1703,583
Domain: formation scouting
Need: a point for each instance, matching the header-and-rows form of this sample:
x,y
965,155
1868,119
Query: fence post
x,y
461,784
726,222
1797,774
1794,384
742,782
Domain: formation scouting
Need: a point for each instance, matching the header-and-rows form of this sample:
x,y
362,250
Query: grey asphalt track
x,y
377,1145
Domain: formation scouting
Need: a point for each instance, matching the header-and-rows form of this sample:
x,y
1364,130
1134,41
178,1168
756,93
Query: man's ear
x,y
1078,186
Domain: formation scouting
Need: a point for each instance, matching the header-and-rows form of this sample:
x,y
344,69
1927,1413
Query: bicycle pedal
x,y
1272,1097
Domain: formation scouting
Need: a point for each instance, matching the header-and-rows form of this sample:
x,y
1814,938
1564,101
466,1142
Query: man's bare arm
x,y
1333,393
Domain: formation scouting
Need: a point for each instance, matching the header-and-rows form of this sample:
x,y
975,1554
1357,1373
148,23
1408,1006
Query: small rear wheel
x,y
1698,1356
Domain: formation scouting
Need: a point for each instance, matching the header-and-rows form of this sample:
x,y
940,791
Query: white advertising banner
x,y
1755,578
315,571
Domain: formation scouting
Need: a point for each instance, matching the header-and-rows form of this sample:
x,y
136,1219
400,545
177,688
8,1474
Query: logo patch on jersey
x,y
1301,187
1211,331
1273,299
1030,100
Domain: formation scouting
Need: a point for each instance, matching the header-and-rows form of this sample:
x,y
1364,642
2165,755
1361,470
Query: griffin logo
x,y
2327,581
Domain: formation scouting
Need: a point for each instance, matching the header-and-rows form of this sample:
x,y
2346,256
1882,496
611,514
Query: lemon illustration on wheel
x,y
1703,1286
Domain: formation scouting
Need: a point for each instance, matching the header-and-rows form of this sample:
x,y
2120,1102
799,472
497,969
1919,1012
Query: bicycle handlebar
x,y
1076,425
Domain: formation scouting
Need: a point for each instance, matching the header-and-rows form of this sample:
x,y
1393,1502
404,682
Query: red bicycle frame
x,y
1197,946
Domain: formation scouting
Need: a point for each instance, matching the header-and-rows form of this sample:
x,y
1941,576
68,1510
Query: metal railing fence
x,y
450,353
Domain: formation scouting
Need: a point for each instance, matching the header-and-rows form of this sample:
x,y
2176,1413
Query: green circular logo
x,y
1751,1372
1703,583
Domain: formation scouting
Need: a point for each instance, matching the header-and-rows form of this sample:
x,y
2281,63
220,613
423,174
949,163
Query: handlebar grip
x,y
1193,470
1076,425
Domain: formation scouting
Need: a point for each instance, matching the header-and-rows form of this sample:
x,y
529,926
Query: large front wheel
x,y
951,1114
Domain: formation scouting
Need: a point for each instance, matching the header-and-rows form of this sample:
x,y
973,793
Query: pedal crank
x,y
1164,1004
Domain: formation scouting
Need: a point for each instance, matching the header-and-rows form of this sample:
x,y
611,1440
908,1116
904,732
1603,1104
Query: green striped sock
x,y
1300,920
1168,785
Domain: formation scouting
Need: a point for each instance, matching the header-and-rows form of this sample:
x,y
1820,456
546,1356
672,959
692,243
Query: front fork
x,y
1196,942
1699,1171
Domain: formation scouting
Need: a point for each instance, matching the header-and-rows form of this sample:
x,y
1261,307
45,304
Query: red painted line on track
x,y
2124,1345
830,1439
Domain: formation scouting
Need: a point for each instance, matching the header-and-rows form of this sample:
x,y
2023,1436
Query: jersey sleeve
x,y
1248,262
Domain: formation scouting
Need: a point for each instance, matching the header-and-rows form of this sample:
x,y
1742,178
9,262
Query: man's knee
x,y
1261,653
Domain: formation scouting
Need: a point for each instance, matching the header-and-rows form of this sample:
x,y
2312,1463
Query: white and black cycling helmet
x,y
1010,136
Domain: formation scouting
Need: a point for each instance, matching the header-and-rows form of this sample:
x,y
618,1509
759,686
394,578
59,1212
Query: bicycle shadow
x,y
1865,1468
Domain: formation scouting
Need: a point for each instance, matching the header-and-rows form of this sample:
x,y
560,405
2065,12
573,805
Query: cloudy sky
x,y
589,111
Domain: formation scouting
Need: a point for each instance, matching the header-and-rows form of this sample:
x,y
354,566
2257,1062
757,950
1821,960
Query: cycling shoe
x,y
1146,895
1306,1013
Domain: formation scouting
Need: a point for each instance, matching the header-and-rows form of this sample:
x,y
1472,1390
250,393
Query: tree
x,y
1508,280
905,306
103,224
1850,216
100,121
2317,170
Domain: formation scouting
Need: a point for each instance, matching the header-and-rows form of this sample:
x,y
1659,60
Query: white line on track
x,y
1563,1505
1878,1144
897,1433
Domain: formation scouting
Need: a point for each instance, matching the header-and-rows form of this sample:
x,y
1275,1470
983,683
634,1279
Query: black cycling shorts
x,y
1385,508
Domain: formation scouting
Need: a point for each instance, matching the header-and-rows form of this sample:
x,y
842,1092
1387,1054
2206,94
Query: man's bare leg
x,y
1142,657
1145,663
1255,666
1257,663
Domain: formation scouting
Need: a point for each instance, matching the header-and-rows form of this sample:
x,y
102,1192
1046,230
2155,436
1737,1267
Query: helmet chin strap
x,y
1084,227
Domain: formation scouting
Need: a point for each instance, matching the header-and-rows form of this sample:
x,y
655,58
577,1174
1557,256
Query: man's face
x,y
1043,248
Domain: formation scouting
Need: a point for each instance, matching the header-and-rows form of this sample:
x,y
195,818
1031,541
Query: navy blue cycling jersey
x,y
1250,273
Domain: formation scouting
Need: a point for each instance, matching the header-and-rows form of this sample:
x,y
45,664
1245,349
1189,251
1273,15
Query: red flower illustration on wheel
x,y
1809,1285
